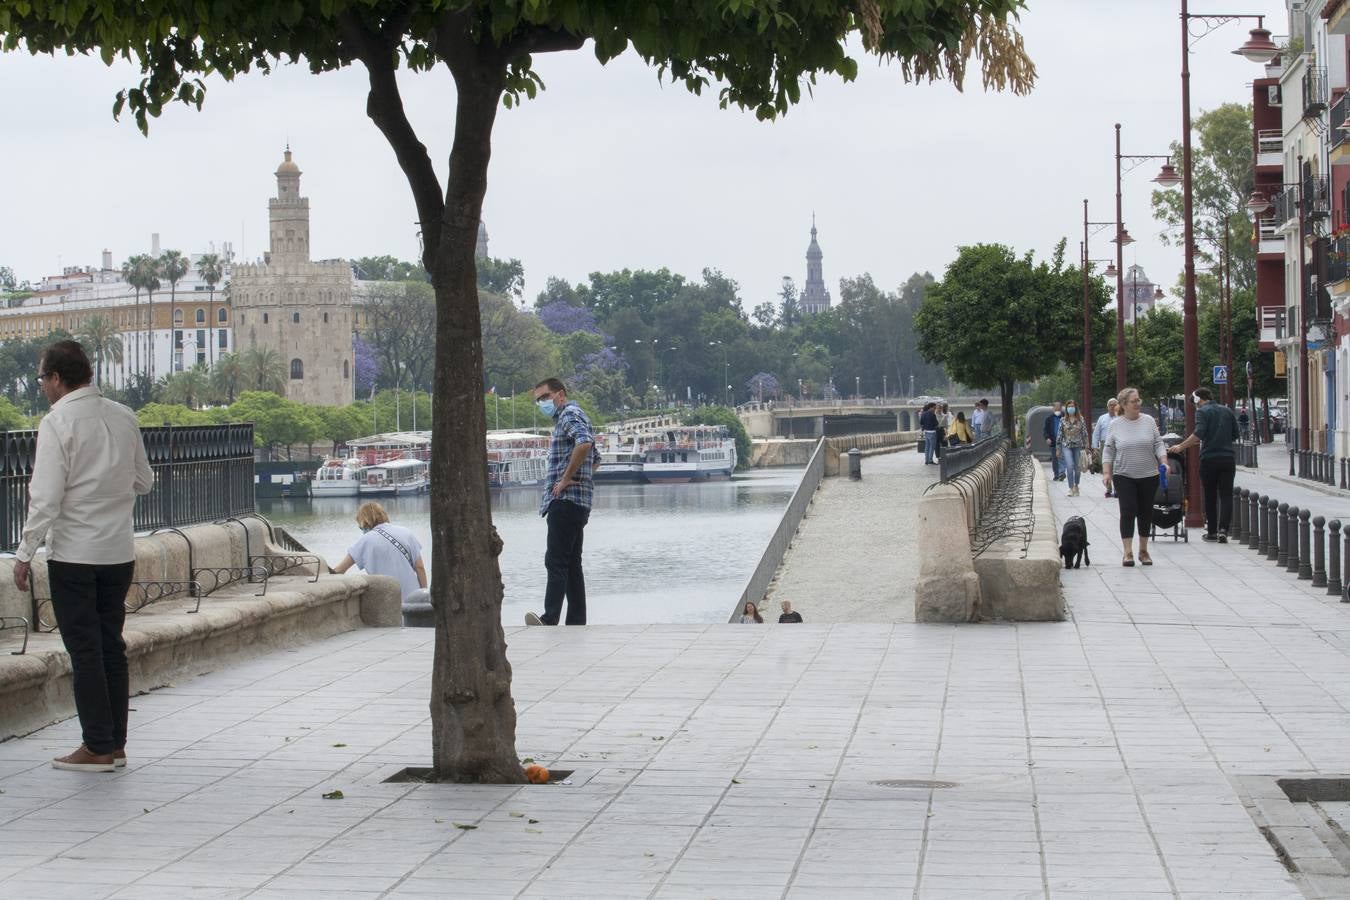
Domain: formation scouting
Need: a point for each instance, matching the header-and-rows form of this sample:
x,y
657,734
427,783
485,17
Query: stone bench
x,y
166,640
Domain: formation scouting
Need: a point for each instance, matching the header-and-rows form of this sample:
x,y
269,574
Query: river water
x,y
654,552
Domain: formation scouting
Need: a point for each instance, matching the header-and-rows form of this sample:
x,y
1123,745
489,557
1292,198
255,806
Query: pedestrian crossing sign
x,y
1220,374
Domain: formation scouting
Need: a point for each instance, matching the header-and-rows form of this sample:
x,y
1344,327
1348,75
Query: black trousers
x,y
1216,477
1136,503
90,606
566,527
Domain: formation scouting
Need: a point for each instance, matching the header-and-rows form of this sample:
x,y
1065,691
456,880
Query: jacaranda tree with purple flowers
x,y
563,318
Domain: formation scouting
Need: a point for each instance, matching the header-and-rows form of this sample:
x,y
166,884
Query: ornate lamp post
x,y
1111,272
1259,48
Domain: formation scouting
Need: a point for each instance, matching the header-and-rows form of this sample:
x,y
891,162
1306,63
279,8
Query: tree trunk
x,y
473,715
1005,389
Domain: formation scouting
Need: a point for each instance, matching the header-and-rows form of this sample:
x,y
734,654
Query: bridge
x,y
792,418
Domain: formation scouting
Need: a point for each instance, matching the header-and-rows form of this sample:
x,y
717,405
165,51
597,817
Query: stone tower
x,y
815,297
296,308
480,249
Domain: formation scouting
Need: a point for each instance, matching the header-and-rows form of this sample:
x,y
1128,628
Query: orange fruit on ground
x,y
536,774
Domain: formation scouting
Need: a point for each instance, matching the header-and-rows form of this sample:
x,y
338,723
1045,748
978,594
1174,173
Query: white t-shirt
x,y
376,554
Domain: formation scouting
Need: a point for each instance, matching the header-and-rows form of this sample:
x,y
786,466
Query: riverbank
x,y
856,555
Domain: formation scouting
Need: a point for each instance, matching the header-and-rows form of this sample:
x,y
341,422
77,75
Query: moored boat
x,y
337,478
516,459
395,478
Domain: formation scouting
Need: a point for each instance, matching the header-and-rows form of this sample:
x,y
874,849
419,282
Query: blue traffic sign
x,y
1220,374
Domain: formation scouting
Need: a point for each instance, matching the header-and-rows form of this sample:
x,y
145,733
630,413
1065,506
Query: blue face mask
x,y
547,407
1072,410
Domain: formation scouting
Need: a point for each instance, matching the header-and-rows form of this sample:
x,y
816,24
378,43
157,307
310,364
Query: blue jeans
x,y
1071,469
929,446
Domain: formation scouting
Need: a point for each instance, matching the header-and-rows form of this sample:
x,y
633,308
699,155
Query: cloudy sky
x,y
609,168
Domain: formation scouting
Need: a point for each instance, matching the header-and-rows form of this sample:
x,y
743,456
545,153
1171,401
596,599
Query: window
x,y
325,318
220,315
346,369
241,317
178,340
297,370
222,340
201,317
178,317
295,318
264,318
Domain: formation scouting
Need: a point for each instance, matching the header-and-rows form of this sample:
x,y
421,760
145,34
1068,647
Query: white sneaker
x,y
533,619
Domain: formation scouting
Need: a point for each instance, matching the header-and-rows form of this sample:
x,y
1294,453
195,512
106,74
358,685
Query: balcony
x,y
1316,200
1285,206
1269,242
1315,97
1338,266
1316,275
1338,138
1269,147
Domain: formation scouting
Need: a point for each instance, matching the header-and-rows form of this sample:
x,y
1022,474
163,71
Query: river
x,y
670,553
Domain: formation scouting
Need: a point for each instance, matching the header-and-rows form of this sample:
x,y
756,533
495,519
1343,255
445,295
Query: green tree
x,y
210,269
189,387
263,370
341,424
172,414
7,280
721,415
139,271
987,295
11,417
760,52
387,268
173,265
401,320
517,348
228,377
102,342
1156,360
501,276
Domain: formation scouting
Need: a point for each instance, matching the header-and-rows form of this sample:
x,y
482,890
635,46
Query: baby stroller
x,y
1169,504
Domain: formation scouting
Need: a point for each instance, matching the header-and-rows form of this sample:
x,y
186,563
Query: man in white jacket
x,y
1103,428
90,467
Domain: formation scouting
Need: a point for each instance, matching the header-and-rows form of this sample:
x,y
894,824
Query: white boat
x,y
689,453
395,478
621,458
717,458
337,478
516,459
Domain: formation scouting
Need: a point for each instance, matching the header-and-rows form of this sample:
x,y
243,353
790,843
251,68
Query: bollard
x,y
855,464
1271,539
417,610
1319,568
1334,557
1240,514
1345,567
1257,514
1304,546
1291,461
1282,535
1291,564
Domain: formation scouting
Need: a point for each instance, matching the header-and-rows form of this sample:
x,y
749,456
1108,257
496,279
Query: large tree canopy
x,y
760,53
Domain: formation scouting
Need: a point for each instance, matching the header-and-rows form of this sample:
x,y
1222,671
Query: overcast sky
x,y
608,168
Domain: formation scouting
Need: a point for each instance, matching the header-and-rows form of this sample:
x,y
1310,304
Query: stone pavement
x,y
1128,752
855,557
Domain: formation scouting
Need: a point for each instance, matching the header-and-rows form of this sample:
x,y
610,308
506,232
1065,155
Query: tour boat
x,y
621,461
717,457
395,478
381,448
690,453
337,478
516,459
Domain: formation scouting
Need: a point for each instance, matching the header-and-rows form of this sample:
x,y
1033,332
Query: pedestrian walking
x,y
960,431
1130,459
750,614
945,420
566,503
1100,430
1216,429
928,424
788,615
386,549
1050,431
1073,437
89,468
979,419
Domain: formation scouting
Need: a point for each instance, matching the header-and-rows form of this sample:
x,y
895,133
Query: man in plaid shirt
x,y
566,503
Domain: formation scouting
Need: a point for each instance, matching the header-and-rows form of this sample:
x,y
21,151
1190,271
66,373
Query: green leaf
x,y
334,795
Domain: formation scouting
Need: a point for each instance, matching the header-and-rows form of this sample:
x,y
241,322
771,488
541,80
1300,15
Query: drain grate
x,y
913,783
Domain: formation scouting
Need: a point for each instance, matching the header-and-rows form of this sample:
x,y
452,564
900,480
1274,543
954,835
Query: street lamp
x,y
1258,49
1111,272
1167,177
857,387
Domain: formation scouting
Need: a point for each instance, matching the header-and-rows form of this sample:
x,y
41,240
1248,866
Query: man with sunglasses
x,y
566,503
89,468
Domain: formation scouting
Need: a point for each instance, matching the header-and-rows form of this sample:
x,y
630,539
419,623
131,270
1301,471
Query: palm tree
x,y
227,374
264,371
211,270
131,274
173,265
188,387
101,341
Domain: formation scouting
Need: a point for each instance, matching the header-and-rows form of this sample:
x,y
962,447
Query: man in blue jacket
x,y
928,424
1050,432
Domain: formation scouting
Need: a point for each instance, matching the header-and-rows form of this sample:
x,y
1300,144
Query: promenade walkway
x,y
855,557
1129,752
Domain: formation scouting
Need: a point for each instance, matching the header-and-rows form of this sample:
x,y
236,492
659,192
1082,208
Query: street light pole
x,y
1120,278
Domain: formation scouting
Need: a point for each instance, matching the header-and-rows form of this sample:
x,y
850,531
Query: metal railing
x,y
955,460
1286,205
203,473
1336,136
1316,196
1267,229
1315,95
1338,259
1270,140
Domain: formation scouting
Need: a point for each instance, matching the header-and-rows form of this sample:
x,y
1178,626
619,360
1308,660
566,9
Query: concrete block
x,y
382,602
948,589
1026,589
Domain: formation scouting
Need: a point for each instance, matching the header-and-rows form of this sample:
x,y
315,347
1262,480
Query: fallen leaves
x,y
334,795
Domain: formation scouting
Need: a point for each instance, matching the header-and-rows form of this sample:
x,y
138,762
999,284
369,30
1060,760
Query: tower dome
x,y
288,166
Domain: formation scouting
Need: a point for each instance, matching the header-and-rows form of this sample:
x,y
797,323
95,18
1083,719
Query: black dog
x,y
1073,543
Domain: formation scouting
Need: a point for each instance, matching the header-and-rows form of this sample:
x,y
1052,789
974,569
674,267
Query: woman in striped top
x,y
1130,458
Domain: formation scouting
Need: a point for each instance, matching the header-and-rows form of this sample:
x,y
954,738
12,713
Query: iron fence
x,y
955,460
203,473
